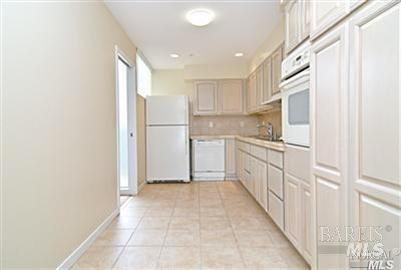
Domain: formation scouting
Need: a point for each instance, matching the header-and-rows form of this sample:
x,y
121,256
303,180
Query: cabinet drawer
x,y
259,152
276,180
275,158
297,162
276,210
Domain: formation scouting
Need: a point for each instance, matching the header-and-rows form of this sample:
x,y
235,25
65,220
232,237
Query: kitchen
x,y
286,132
263,143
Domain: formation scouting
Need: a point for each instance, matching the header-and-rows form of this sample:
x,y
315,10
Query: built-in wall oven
x,y
295,96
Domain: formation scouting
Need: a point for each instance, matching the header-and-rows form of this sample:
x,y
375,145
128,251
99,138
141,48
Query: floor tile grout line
x,y
129,239
165,236
236,240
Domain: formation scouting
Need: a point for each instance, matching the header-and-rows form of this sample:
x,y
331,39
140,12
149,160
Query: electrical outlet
x,y
210,124
241,124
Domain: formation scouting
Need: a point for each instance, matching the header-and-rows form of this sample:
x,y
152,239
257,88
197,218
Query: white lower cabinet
x,y
297,197
306,228
230,159
259,178
280,184
292,203
252,171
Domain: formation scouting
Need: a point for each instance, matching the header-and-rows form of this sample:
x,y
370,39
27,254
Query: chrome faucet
x,y
269,131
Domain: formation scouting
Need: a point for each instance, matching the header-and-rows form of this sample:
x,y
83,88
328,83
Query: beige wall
x,y
168,82
59,137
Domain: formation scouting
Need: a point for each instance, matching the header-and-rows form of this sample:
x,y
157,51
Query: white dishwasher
x,y
208,160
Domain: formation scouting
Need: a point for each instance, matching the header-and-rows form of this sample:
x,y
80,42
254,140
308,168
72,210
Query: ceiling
x,y
159,28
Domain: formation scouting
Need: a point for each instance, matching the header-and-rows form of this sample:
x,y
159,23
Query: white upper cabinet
x,y
252,97
259,87
205,97
296,23
277,58
292,25
264,82
375,58
230,96
218,97
326,13
267,80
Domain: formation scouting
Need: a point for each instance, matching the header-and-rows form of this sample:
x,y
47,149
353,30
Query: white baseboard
x,y
77,253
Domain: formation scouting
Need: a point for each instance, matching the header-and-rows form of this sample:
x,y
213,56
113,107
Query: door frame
x,y
132,129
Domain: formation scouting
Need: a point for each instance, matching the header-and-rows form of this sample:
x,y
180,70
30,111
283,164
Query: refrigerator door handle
x,y
186,141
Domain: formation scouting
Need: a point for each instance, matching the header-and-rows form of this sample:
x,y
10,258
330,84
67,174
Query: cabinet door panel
x,y
277,58
326,13
292,25
329,213
259,87
230,158
307,221
262,180
376,120
205,97
230,96
251,93
292,207
267,80
276,210
276,181
305,19
329,137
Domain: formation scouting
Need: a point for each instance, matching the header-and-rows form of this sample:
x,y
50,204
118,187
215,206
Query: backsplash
x,y
273,117
224,125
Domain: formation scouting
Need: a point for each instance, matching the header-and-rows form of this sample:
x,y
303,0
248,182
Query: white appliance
x,y
208,160
167,138
295,96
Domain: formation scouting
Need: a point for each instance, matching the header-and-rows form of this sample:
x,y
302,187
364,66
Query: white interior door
x,y
126,125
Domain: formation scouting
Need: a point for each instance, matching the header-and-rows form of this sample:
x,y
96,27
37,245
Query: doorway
x,y
126,127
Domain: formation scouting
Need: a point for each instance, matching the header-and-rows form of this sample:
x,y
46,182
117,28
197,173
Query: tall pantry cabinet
x,y
375,88
356,126
329,129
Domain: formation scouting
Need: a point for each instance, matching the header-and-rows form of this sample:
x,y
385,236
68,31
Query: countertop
x,y
278,146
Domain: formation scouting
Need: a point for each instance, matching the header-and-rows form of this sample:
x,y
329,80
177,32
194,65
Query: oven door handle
x,y
296,80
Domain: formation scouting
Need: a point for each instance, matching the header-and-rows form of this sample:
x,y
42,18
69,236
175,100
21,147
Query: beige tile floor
x,y
208,225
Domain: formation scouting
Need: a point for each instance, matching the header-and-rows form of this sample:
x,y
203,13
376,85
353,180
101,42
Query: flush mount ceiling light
x,y
239,54
174,55
200,17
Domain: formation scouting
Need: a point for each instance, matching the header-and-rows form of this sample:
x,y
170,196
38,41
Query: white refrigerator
x,y
167,138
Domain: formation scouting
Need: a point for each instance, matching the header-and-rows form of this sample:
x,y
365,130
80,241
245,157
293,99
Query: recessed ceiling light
x,y
174,55
239,54
200,17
